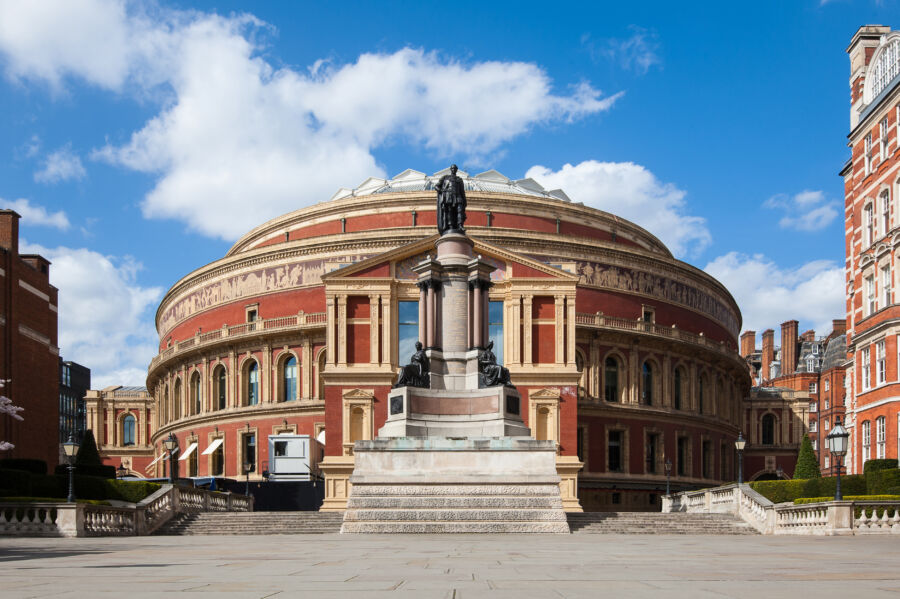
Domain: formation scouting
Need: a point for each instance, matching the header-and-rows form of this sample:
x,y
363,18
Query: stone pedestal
x,y
440,485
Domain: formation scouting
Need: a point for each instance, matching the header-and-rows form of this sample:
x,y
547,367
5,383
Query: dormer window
x,y
884,68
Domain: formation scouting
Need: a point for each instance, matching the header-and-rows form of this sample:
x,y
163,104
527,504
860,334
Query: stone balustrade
x,y
89,520
296,322
823,518
602,321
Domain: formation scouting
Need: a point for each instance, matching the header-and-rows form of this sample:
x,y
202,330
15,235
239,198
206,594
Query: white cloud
x,y
768,295
254,141
33,214
806,211
638,53
61,165
105,316
631,191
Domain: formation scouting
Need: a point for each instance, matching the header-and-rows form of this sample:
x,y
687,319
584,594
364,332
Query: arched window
x,y
611,379
177,399
869,224
165,404
885,210
677,388
768,429
320,382
195,393
221,386
647,383
128,430
289,379
251,386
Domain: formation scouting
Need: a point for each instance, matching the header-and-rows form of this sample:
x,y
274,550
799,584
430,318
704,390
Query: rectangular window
x,y
879,362
866,441
827,462
827,385
885,213
886,286
682,467
812,387
495,328
579,442
866,369
813,427
870,295
869,225
650,452
868,153
880,437
407,330
884,139
827,404
706,449
614,451
217,467
813,407
248,456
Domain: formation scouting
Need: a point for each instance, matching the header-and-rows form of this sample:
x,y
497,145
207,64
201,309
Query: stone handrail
x,y
822,518
602,321
89,520
298,321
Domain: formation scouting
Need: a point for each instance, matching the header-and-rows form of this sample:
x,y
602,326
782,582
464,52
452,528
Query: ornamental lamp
x,y
70,448
740,442
170,442
837,439
121,471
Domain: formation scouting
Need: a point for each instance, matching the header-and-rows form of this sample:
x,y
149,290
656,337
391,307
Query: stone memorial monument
x,y
454,454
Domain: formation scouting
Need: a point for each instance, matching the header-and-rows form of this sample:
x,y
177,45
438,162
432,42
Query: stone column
x,y
570,331
634,371
306,376
513,331
595,368
470,314
559,328
331,333
232,400
486,312
423,312
374,304
477,315
430,315
387,326
204,386
265,370
527,308
342,329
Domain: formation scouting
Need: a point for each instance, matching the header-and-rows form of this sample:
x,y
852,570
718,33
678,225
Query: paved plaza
x,y
455,567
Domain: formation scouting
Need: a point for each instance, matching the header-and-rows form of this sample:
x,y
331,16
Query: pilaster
x,y
342,330
374,305
527,309
559,318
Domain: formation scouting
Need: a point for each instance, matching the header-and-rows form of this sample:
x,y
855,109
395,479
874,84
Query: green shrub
x,y
15,482
807,464
49,485
87,470
128,490
87,451
778,491
852,484
802,500
879,481
875,465
26,464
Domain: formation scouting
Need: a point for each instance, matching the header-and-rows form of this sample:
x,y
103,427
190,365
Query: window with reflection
x,y
221,387
611,379
408,330
195,393
289,379
128,430
647,384
495,328
252,384
768,429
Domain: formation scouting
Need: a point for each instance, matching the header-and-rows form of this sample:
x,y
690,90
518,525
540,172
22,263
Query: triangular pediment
x,y
405,257
546,393
492,176
409,175
358,394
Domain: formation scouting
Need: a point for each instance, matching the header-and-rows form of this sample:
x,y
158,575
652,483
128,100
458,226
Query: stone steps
x,y
658,523
485,502
253,523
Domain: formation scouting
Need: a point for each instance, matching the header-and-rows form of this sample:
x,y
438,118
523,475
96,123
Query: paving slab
x,y
452,566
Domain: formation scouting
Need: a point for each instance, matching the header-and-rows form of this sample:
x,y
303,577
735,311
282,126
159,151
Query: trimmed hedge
x,y
86,487
876,465
881,481
779,491
26,464
87,470
801,500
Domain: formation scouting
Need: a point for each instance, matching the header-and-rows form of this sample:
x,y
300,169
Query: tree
x,y
87,451
7,408
807,464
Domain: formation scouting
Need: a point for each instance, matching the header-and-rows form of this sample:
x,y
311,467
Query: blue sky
x,y
139,140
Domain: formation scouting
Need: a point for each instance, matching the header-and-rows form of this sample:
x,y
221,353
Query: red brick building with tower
x,y
29,355
872,186
623,355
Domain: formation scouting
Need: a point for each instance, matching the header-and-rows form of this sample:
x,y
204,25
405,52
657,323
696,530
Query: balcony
x,y
297,322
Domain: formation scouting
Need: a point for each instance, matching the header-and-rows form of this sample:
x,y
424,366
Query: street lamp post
x,y
170,442
739,445
668,473
121,471
837,445
70,448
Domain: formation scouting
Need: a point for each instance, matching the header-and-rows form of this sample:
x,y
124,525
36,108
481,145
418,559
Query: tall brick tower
x,y
29,356
871,186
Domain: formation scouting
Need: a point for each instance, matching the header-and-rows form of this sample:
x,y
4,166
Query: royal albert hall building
x,y
625,356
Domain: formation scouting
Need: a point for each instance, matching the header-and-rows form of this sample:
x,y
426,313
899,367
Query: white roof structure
x,y
490,181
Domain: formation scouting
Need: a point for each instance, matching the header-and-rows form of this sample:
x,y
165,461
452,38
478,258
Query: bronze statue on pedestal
x,y
451,203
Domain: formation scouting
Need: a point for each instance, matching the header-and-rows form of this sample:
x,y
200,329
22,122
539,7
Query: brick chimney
x,y
748,343
9,230
838,326
789,346
768,354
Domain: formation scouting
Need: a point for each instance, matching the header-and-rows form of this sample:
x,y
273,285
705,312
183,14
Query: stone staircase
x,y
678,523
252,523
463,508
